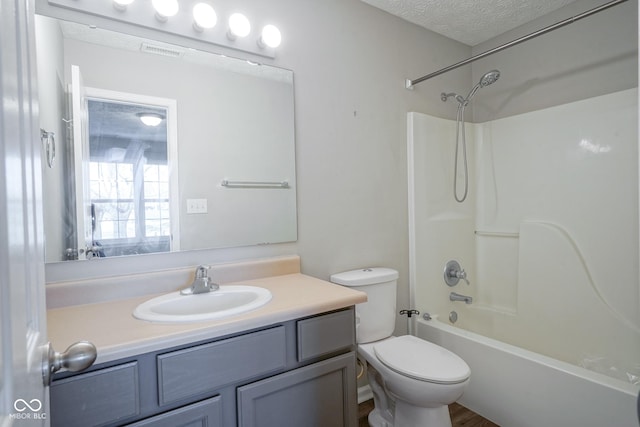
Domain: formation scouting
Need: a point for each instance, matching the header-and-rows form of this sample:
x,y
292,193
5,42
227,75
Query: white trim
x,y
364,394
412,216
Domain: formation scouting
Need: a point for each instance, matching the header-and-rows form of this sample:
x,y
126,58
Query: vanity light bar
x,y
195,19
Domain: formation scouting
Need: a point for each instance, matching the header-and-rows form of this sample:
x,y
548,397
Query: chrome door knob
x,y
79,356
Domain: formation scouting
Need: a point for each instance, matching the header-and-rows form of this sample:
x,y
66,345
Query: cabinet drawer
x,y
204,368
207,413
326,334
96,398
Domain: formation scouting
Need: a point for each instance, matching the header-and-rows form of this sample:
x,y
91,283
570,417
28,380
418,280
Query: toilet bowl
x,y
413,381
416,381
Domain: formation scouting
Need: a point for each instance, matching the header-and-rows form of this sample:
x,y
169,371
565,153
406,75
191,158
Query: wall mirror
x,y
217,169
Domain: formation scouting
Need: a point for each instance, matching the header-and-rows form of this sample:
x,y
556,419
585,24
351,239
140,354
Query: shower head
x,y
489,78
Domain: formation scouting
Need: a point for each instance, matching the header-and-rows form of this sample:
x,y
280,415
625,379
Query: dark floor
x,y
460,416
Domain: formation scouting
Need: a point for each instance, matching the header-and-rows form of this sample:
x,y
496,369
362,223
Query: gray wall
x,y
51,106
591,57
350,62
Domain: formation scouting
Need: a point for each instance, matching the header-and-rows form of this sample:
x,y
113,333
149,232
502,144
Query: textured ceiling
x,y
469,21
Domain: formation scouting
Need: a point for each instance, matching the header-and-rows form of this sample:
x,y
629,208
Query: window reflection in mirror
x,y
128,178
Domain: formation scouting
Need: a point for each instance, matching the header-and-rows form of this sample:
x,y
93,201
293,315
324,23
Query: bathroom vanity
x,y
291,362
300,372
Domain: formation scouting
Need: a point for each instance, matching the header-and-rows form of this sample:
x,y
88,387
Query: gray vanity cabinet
x,y
297,373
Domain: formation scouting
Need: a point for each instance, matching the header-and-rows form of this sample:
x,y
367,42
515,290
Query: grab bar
x,y
488,233
254,184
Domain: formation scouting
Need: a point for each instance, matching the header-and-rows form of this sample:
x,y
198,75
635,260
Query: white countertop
x,y
111,327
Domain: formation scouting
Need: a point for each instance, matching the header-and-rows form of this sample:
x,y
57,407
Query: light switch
x,y
196,206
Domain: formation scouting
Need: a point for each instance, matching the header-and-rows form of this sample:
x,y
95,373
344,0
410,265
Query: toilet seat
x,y
422,360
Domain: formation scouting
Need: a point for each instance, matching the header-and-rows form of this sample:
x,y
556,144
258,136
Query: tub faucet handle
x,y
453,272
462,275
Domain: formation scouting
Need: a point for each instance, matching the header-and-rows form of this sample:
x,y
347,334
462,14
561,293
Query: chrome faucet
x,y
457,297
202,283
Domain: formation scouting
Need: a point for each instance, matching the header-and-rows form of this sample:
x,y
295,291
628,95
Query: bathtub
x,y
514,387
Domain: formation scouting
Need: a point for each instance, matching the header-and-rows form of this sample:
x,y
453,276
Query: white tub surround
x,y
548,238
110,325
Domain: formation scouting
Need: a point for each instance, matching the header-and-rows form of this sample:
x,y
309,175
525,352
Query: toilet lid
x,y
422,360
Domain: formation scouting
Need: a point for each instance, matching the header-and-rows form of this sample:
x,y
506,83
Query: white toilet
x,y
412,380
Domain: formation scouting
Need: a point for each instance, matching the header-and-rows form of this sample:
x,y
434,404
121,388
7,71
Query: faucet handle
x,y
462,275
202,271
453,272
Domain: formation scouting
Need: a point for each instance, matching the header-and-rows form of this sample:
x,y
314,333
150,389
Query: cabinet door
x,y
96,398
207,413
318,395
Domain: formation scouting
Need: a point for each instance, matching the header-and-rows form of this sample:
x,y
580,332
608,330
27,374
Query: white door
x,y
23,397
79,115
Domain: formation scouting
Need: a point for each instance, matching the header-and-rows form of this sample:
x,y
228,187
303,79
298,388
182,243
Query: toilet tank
x,y
376,318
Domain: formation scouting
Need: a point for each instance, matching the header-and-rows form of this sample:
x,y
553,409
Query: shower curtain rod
x,y
410,83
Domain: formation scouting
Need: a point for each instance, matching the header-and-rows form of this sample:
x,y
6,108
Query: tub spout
x,y
457,297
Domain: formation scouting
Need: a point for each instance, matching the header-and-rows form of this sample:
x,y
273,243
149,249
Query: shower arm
x,y
409,84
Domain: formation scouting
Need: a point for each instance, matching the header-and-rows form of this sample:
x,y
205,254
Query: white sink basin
x,y
226,301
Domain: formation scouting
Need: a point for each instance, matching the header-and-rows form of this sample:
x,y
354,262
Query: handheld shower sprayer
x,y
487,79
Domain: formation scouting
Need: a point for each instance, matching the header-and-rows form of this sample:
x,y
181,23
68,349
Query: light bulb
x,y
204,17
270,36
122,4
165,8
239,26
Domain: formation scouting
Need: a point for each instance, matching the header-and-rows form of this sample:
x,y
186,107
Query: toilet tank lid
x,y
365,276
